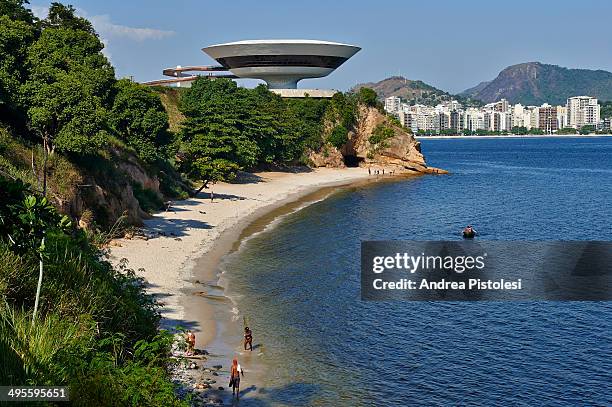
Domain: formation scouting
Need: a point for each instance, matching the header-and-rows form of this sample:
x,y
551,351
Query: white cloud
x,y
40,11
107,29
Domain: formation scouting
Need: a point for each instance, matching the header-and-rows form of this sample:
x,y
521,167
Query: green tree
x,y
380,134
214,147
69,86
338,136
15,37
567,130
139,118
587,129
61,16
520,130
368,97
16,11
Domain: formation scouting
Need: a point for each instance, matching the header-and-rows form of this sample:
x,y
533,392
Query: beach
x,y
200,231
178,251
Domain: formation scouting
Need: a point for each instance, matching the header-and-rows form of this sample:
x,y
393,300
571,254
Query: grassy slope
x,y
170,99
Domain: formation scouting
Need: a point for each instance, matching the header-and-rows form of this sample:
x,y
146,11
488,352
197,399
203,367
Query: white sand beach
x,y
175,239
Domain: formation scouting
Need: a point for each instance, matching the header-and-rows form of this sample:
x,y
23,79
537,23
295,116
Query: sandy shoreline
x,y
199,232
180,256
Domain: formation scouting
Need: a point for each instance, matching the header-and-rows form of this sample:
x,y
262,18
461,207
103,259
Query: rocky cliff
x,y
397,150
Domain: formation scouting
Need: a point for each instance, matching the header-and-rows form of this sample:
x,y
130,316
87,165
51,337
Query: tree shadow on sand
x,y
171,324
220,197
173,227
247,178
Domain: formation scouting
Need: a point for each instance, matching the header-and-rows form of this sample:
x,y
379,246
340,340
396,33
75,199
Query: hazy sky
x,y
452,45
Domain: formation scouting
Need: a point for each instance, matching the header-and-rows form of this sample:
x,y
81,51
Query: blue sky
x,y
452,45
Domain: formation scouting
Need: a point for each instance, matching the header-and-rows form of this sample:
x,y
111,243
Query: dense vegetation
x,y
63,114
95,330
606,109
228,128
68,126
60,101
64,118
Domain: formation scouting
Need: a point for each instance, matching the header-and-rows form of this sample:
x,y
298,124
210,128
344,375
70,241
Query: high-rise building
x,y
561,117
547,120
582,111
534,117
393,104
456,120
443,121
409,120
501,106
473,119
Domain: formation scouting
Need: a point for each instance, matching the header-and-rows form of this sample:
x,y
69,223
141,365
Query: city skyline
x,y
450,116
441,44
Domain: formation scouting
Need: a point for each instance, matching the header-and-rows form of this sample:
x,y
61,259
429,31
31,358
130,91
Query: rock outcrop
x,y
400,152
105,196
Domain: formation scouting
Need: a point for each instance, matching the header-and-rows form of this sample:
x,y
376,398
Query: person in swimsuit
x,y
235,373
191,340
248,338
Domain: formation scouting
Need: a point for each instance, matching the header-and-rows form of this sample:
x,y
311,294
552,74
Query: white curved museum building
x,y
281,63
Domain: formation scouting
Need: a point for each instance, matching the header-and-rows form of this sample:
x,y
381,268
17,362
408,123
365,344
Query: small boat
x,y
469,233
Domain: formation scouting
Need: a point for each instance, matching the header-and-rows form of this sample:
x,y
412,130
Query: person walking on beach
x,y
212,196
248,338
369,171
235,373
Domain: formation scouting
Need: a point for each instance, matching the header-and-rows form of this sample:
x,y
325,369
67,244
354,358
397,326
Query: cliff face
x,y
105,196
399,152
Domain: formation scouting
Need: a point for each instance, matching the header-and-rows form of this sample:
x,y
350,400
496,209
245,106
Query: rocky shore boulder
x,y
376,140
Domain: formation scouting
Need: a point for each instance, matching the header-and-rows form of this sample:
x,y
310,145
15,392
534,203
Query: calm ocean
x,y
297,284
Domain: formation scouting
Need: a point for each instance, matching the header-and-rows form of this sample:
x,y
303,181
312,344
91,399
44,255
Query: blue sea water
x,y
298,286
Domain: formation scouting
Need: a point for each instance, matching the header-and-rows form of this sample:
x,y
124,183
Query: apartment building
x,y
547,118
498,116
393,104
582,111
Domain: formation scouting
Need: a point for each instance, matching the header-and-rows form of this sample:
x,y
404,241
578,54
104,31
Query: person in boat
x,y
469,231
248,338
235,373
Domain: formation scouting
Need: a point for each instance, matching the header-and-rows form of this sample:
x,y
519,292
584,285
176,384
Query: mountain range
x,y
413,91
534,83
531,83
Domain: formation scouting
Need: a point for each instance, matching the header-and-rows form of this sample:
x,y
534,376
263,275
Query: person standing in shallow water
x,y
190,339
235,373
248,338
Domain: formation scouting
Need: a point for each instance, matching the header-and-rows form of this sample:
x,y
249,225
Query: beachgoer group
x,y
378,172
